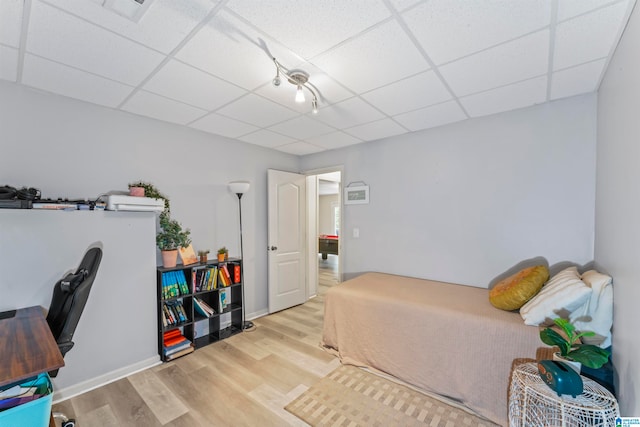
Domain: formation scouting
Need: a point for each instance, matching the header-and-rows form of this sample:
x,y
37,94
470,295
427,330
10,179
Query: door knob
x,y
272,248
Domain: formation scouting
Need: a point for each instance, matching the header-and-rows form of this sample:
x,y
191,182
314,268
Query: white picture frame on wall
x,y
356,195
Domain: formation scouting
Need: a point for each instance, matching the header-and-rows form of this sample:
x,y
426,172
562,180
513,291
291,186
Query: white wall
x,y
465,202
617,241
326,223
69,148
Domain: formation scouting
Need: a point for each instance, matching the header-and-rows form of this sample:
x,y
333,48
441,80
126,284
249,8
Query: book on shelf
x,y
224,299
236,273
182,282
174,313
203,308
188,255
180,353
169,350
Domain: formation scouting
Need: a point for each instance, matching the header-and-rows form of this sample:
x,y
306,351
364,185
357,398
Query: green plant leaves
x,y
572,348
590,356
552,338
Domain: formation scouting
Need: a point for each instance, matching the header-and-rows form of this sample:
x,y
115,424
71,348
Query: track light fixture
x,y
301,80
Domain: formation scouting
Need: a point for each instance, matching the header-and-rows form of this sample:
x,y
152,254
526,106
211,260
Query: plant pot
x,y
204,259
169,258
576,366
221,257
136,191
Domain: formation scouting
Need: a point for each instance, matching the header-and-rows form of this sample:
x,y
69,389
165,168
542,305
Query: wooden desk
x,y
27,347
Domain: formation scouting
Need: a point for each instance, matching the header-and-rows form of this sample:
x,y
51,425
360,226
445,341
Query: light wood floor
x,y
245,380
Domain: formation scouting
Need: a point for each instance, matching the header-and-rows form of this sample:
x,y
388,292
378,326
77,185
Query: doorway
x,y
328,229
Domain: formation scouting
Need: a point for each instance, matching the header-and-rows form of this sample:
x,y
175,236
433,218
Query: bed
x,y
441,337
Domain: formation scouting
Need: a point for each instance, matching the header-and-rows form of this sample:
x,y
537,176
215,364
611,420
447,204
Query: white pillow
x,y
562,295
596,314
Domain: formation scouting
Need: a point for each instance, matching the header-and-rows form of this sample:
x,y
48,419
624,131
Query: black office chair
x,y
70,295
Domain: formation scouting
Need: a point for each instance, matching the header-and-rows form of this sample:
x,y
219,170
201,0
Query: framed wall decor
x,y
356,194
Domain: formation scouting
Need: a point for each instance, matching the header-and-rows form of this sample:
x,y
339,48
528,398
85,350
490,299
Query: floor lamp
x,y
239,188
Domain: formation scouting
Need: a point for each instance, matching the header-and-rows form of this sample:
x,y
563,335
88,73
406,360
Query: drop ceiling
x,y
381,67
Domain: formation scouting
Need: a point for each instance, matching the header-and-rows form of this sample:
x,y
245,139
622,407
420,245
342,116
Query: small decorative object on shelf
x,y
204,256
198,305
223,254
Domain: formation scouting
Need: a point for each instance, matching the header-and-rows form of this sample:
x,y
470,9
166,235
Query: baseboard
x,y
256,314
109,377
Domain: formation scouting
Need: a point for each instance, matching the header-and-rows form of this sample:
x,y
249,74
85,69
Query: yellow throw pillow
x,y
511,293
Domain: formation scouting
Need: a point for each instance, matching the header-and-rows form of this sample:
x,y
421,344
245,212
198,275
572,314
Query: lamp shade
x,y
239,187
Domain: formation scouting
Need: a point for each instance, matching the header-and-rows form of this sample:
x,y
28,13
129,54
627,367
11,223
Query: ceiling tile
x,y
10,22
573,81
266,138
376,130
518,95
518,60
351,112
57,78
58,36
451,29
570,8
8,63
235,52
401,5
157,107
409,94
334,140
190,85
257,110
219,125
436,115
300,148
302,127
310,27
588,37
373,59
165,24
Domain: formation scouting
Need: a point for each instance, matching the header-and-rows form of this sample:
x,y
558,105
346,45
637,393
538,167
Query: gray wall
x,y
617,240
118,326
465,202
69,148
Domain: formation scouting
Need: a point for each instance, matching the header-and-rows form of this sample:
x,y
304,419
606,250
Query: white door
x,y
286,239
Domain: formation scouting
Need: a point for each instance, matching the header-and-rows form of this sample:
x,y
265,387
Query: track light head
x,y
300,79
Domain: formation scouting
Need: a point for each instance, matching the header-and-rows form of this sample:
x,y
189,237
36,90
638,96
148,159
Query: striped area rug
x,y
350,396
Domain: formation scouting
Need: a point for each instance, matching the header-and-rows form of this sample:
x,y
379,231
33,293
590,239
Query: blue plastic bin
x,y
35,413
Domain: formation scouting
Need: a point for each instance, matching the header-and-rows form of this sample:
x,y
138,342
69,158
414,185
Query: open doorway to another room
x,y
329,222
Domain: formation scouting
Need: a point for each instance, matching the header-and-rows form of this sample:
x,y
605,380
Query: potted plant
x,y
571,348
170,239
203,256
149,190
222,254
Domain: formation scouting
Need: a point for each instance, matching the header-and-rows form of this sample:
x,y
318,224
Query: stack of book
x,y
203,308
174,284
173,313
205,279
225,277
176,345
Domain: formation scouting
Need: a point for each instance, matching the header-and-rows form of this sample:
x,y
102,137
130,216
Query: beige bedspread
x,y
440,337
